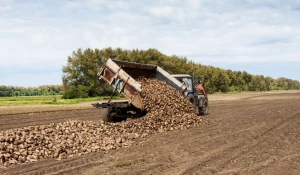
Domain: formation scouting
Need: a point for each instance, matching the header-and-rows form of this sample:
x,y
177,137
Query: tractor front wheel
x,y
204,109
190,98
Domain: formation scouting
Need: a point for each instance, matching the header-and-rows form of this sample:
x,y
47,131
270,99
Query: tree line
x,y
80,73
12,91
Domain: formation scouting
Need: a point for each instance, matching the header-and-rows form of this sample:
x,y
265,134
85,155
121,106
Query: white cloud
x,y
98,2
44,34
73,4
5,5
162,11
91,39
5,8
38,38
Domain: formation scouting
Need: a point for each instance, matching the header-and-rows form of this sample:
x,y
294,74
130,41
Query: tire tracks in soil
x,y
259,140
39,118
242,148
52,166
194,148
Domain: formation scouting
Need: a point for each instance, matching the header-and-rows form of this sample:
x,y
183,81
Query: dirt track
x,y
246,135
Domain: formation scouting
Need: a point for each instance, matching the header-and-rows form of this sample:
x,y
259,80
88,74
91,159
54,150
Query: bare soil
x,y
247,134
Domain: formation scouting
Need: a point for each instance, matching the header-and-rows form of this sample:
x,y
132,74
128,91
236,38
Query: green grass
x,y
24,100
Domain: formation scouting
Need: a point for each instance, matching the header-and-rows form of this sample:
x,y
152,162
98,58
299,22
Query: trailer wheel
x,y
106,115
139,113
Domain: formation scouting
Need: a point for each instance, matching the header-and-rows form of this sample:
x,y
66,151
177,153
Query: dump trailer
x,y
122,76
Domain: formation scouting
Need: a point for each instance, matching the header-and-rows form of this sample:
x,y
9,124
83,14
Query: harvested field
x,y
253,135
27,109
6,110
76,138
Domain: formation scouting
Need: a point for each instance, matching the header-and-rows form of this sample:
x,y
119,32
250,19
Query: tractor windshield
x,y
188,83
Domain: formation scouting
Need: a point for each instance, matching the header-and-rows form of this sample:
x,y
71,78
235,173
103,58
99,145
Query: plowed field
x,y
247,134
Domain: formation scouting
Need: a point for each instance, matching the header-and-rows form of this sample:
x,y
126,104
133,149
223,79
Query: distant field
x,y
31,100
36,100
247,94
18,105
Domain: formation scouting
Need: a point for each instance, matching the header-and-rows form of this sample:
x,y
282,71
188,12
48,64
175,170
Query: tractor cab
x,y
196,98
186,80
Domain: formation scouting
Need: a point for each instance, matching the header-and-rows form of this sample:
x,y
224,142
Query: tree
x,y
80,73
269,81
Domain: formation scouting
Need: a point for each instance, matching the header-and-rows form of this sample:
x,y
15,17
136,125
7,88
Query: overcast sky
x,y
258,36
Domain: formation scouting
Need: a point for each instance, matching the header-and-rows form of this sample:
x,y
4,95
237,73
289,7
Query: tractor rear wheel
x,y
204,109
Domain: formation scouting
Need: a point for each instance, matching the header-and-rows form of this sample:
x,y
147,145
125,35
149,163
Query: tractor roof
x,y
181,75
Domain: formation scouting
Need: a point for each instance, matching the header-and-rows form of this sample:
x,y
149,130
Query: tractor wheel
x,y
190,98
204,110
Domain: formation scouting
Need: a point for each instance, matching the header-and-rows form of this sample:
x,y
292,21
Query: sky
x,y
261,37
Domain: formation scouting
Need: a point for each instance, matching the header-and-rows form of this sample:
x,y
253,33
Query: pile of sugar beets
x,y
166,110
